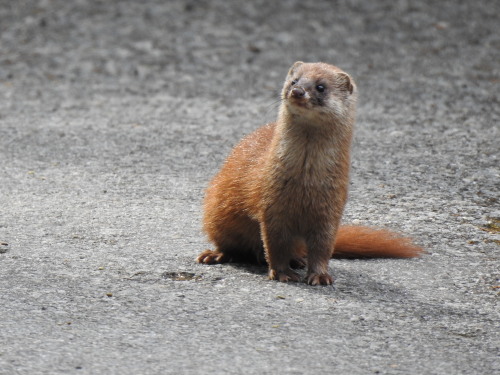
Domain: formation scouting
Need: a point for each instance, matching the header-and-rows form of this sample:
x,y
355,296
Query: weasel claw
x,y
319,279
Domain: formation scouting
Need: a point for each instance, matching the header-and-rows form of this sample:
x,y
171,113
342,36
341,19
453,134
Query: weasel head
x,y
318,93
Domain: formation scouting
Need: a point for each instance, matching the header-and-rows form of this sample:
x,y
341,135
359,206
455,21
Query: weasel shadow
x,y
346,282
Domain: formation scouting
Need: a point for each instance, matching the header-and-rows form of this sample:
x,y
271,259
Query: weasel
x,y
280,195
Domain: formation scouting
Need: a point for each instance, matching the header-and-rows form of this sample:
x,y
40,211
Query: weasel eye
x,y
320,88
294,82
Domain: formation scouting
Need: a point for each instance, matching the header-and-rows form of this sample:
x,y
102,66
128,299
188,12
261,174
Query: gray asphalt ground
x,y
114,115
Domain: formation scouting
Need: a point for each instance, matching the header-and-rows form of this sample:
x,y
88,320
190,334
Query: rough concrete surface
x,y
115,114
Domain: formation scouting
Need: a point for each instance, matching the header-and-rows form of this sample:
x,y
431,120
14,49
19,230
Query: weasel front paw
x,y
319,279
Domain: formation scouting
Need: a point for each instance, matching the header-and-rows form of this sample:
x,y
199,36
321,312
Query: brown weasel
x,y
281,193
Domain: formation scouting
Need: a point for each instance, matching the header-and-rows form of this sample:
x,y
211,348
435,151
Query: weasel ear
x,y
294,67
345,82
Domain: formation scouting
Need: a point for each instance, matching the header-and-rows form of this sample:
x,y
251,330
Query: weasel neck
x,y
303,148
315,133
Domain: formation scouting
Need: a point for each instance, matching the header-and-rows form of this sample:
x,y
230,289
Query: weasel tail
x,y
363,242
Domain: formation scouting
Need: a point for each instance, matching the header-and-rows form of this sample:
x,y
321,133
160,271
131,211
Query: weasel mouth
x,y
298,102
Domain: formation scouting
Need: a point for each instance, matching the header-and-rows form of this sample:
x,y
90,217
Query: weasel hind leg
x,y
213,257
234,248
283,275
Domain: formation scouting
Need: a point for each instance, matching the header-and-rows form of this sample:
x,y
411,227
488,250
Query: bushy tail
x,y
363,242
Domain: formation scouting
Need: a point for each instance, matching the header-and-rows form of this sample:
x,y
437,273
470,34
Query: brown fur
x,y
357,241
281,193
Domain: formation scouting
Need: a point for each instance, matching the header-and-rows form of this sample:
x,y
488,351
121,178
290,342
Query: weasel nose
x,y
298,92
